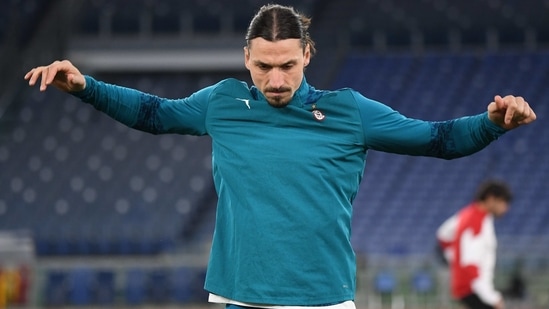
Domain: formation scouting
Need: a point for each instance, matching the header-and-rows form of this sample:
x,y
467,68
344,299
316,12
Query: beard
x,y
278,96
278,101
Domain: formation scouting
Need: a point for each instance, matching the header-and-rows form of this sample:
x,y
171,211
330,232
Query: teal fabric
x,y
285,179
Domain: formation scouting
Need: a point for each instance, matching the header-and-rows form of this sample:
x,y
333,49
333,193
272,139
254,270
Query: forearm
x,y
463,136
128,106
389,131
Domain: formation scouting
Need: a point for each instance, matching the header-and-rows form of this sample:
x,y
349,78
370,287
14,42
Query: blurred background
x,y
95,214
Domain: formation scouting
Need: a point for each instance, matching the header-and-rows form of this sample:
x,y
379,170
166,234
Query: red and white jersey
x,y
469,243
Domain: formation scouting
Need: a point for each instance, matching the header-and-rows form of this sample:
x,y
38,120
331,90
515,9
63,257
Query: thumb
x,y
500,103
77,82
497,106
502,106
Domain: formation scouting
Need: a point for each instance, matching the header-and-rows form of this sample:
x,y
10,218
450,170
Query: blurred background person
x,y
469,244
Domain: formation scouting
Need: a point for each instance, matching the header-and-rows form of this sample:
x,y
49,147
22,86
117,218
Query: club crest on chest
x,y
317,114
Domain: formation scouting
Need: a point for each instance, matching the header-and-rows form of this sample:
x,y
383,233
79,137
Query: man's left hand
x,y
510,112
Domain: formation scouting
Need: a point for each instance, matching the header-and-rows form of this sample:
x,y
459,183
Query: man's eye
x,y
263,67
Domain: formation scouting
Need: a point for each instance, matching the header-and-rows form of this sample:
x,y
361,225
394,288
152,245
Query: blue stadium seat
x,y
158,286
56,288
135,286
104,291
422,282
81,281
385,282
181,281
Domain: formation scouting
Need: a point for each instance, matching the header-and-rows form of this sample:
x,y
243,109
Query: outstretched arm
x,y
389,131
136,109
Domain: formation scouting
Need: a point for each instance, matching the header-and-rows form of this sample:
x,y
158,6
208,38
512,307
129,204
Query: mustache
x,y
277,90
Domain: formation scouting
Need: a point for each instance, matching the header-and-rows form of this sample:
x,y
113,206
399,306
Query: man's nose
x,y
276,79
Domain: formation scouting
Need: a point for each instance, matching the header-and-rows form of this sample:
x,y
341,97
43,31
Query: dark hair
x,y
494,188
274,22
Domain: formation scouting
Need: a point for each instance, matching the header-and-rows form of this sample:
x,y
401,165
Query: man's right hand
x,y
61,74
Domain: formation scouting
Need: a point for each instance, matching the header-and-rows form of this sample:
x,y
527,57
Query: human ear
x,y
247,57
307,55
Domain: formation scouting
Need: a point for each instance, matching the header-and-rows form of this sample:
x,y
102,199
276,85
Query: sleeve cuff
x,y
86,93
492,127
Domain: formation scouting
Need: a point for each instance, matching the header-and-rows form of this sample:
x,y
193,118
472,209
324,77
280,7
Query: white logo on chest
x,y
246,101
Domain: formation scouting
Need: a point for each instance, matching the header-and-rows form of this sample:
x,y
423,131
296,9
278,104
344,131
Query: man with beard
x,y
287,161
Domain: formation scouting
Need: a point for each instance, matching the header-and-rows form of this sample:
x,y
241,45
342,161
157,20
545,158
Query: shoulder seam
x,y
209,100
362,139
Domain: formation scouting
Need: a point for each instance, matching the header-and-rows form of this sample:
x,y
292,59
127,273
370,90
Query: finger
x,y
525,111
521,106
530,116
511,104
44,76
29,74
52,72
34,75
500,103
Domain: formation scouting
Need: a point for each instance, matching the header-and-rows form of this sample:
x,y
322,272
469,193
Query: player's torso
x,y
285,179
245,129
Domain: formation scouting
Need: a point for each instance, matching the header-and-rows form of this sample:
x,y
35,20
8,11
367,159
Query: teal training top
x,y
286,177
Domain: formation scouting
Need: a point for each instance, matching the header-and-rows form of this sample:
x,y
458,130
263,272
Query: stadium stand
x,y
145,17
18,20
109,190
112,190
405,191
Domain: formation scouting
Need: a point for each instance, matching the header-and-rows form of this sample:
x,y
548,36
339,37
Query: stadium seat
x,y
385,282
135,286
158,286
422,282
81,281
104,290
181,283
56,288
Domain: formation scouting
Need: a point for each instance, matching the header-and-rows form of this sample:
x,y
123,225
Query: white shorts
x,y
222,300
